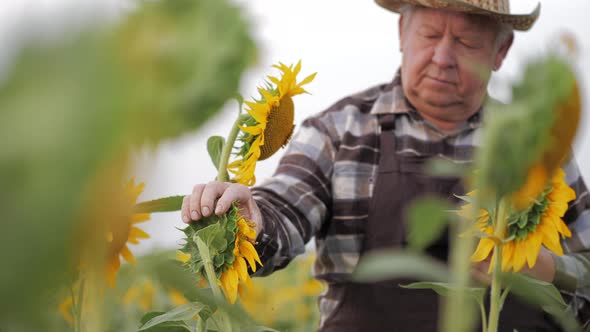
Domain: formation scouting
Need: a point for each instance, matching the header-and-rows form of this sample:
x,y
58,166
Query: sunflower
x,y
269,124
122,232
229,238
142,294
243,252
565,117
65,309
539,224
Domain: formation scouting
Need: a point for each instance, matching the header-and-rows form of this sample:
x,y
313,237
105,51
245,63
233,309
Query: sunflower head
x,y
268,125
538,224
229,239
532,134
123,231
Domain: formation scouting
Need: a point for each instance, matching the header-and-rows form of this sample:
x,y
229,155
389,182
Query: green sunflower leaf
x,y
390,264
166,204
444,289
544,295
214,237
214,147
175,316
534,291
427,220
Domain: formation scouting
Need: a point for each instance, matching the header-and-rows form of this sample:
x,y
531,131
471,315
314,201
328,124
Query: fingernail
x,y
218,209
206,210
185,218
194,215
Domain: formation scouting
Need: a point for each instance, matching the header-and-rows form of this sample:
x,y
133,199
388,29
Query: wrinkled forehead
x,y
460,20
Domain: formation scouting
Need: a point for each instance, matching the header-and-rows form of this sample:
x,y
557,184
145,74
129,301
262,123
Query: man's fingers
x,y
211,192
234,192
185,210
195,202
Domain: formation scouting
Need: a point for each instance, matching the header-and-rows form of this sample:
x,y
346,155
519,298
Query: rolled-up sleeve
x,y
296,200
572,275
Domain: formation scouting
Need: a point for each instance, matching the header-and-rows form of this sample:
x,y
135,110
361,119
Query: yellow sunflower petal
x,y
533,186
484,248
274,80
137,233
229,284
65,309
533,246
492,262
140,217
562,228
247,250
252,130
259,112
519,255
550,237
308,79
183,257
111,269
127,255
176,297
241,268
297,68
507,252
246,230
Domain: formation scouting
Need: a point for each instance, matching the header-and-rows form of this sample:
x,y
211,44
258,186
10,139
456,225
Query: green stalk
x,y
495,300
75,310
201,325
225,325
458,311
226,151
80,304
482,311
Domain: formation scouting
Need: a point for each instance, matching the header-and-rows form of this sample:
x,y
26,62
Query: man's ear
x,y
503,51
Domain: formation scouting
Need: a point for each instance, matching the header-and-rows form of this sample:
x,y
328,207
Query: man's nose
x,y
444,53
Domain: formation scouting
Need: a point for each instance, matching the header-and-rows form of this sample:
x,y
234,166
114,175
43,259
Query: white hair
x,y
503,30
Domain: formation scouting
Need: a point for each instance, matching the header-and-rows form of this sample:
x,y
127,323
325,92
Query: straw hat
x,y
498,9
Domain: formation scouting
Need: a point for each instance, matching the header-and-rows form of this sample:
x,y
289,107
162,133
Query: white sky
x,y
351,44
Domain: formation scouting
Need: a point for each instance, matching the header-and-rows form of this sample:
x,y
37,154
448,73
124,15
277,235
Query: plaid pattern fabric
x,y
324,182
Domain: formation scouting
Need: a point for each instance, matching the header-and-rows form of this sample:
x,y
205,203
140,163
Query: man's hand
x,y
543,270
217,197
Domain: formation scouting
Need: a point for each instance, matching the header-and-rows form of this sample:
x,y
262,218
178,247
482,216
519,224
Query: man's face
x,y
447,61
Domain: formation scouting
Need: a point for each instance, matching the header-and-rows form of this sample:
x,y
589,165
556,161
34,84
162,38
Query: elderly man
x,y
351,171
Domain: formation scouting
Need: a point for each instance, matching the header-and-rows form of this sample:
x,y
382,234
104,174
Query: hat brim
x,y
520,22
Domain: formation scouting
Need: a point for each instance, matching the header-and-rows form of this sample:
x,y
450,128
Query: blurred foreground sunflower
x,y
269,124
538,224
122,232
229,239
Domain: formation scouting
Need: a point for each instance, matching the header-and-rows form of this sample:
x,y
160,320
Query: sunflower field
x,y
74,110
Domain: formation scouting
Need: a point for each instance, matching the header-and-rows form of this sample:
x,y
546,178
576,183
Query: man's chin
x,y
442,102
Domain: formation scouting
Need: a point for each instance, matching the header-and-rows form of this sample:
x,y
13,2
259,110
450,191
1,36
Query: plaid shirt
x,y
324,182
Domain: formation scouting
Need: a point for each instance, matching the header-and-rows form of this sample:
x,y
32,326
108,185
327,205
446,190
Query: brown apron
x,y
384,306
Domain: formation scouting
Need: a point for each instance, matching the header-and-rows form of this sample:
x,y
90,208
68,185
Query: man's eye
x,y
431,37
468,43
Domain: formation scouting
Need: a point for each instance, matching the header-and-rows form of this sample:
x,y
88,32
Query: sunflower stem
x,y
495,297
201,325
80,303
74,310
226,151
225,325
484,317
458,311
